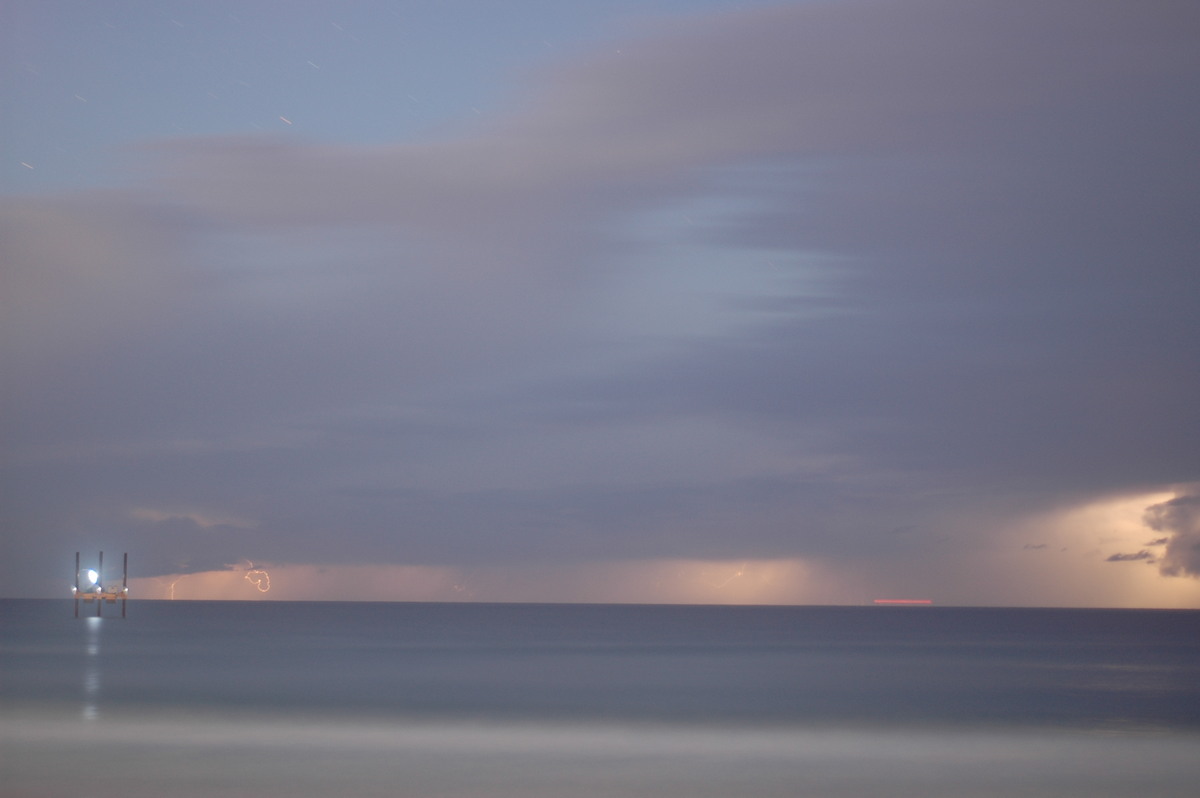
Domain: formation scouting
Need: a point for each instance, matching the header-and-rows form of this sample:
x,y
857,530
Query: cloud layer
x,y
866,284
1180,517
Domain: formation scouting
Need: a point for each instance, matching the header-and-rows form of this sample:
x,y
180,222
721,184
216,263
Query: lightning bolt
x,y
740,572
258,577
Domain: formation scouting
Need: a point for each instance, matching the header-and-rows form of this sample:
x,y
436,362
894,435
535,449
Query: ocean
x,y
575,701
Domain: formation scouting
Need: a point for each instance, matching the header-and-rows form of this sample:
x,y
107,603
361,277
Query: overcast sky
x,y
666,300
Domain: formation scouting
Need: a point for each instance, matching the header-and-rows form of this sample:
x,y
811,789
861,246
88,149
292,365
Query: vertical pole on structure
x,y
75,593
100,586
124,582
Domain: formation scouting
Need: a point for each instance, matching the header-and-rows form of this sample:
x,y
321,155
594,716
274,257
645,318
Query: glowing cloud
x,y
200,519
1180,517
648,581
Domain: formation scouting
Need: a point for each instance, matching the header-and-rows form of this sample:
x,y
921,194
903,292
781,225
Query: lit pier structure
x,y
93,587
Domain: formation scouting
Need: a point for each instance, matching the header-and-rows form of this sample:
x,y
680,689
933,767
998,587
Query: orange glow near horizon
x,y
1066,557
1057,559
646,581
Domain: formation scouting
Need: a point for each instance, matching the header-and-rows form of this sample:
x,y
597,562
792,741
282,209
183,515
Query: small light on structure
x,y
93,591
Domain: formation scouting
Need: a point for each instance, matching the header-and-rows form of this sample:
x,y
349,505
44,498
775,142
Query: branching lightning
x,y
258,577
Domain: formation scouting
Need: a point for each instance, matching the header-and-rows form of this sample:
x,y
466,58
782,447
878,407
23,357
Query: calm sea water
x,y
298,699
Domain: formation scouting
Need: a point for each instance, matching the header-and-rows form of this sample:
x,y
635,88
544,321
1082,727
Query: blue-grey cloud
x,y
1181,518
764,283
1135,557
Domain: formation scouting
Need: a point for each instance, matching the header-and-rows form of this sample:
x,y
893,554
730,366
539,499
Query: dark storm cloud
x,y
1181,517
1141,555
924,261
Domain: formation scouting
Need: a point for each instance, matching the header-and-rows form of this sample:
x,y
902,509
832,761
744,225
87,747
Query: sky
x,y
658,301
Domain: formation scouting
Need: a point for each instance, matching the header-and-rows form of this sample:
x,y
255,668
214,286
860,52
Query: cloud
x,y
200,519
635,581
1141,555
1181,518
762,285
81,272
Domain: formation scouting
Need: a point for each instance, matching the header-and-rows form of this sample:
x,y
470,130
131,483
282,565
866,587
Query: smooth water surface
x,y
298,699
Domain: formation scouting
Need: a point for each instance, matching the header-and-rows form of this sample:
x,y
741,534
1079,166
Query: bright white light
x,y
92,576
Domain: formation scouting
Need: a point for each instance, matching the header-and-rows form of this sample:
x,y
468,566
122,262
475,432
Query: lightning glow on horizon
x,y
258,577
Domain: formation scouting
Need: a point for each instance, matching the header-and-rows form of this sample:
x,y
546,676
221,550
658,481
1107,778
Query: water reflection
x,y
91,671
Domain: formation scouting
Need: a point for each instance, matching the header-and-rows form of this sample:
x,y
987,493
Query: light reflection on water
x,y
91,671
488,700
